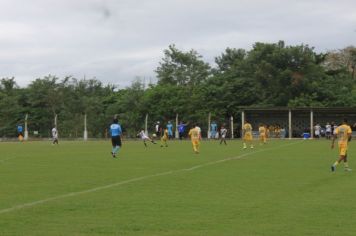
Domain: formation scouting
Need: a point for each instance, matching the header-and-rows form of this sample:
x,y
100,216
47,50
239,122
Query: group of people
x,y
247,134
328,131
54,132
342,133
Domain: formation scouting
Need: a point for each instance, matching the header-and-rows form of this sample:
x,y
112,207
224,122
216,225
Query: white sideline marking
x,y
7,159
72,194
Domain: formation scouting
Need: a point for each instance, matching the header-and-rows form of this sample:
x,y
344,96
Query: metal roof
x,y
306,109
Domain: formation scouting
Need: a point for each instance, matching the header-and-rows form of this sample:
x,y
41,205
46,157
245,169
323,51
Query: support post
x,y
26,128
311,124
55,123
177,134
290,124
85,128
232,126
146,125
209,122
242,120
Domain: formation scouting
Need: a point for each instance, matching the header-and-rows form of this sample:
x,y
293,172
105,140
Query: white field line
x,y
72,194
7,159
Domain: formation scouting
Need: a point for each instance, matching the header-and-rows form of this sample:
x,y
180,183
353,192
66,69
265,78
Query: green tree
x,y
182,68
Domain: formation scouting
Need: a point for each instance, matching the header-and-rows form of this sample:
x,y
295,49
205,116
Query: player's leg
x,y
113,144
116,145
346,164
152,141
342,155
196,146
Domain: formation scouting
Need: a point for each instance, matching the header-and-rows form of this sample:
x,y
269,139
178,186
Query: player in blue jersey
x,y
115,131
181,129
213,130
20,132
170,130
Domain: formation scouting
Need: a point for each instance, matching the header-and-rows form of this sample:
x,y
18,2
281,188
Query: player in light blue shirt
x,y
115,132
213,130
170,130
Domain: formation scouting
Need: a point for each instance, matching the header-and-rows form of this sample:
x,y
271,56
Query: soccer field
x,y
77,188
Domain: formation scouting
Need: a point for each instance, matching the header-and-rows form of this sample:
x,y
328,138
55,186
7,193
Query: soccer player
x,y
194,134
164,138
262,132
328,131
181,129
54,136
223,132
20,132
170,130
213,130
343,134
145,138
247,135
158,129
317,129
115,131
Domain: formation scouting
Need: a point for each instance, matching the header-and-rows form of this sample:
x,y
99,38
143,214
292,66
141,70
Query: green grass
x,y
283,188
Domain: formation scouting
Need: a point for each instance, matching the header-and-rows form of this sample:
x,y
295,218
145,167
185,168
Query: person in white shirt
x,y
328,131
54,136
334,128
145,138
317,129
223,132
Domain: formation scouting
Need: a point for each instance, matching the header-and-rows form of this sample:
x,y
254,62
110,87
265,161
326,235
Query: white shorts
x,y
145,138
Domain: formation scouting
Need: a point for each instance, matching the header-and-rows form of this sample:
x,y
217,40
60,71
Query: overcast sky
x,y
117,40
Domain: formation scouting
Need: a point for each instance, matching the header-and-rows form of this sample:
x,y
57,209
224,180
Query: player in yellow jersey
x,y
164,138
343,134
194,134
247,135
263,134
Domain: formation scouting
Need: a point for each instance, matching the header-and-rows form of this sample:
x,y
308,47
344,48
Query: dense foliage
x,y
270,74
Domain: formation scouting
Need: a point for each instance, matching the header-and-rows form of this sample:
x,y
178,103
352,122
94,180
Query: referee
x,y
115,131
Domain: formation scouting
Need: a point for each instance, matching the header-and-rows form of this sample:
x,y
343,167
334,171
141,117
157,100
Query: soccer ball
x,y
154,135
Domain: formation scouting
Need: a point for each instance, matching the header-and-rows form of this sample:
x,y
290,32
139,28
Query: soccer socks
x,y
245,145
115,150
336,163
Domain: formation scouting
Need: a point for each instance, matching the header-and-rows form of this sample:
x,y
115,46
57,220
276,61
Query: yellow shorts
x,y
195,142
263,137
248,137
342,149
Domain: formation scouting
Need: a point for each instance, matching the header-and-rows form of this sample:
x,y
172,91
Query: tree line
x,y
268,75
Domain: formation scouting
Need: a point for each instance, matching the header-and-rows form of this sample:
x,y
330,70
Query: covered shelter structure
x,y
296,121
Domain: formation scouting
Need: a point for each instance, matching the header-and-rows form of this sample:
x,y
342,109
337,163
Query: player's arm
x,y
349,134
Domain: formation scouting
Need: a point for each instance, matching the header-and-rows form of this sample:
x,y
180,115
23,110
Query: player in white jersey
x,y
223,132
54,136
317,130
328,131
334,128
145,138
